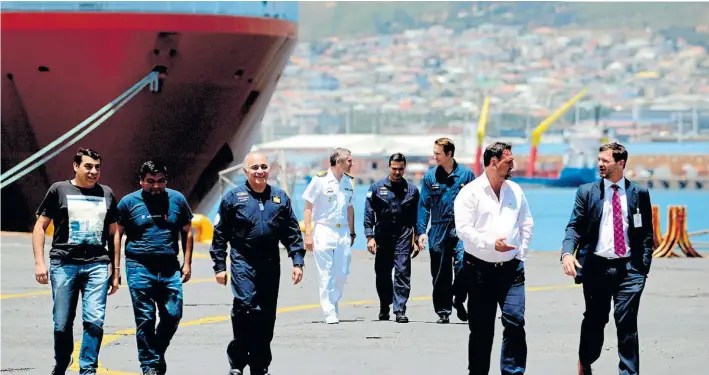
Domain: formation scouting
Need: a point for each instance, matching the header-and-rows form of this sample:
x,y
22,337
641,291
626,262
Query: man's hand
x,y
570,263
308,241
221,278
297,275
372,245
41,274
186,273
417,249
422,241
502,247
115,281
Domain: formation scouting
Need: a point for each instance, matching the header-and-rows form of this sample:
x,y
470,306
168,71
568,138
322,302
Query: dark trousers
x,y
253,316
447,285
398,257
490,285
155,284
617,280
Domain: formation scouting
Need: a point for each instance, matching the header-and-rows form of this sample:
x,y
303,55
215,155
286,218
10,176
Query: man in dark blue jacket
x,y
439,188
611,233
389,223
252,219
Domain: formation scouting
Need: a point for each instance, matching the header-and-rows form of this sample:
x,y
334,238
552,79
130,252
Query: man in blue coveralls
x,y
252,219
153,218
439,188
389,222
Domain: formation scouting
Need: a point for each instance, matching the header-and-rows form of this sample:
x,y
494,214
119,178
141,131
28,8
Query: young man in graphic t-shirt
x,y
153,218
84,215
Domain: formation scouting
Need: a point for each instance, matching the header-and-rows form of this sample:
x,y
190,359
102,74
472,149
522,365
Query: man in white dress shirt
x,y
493,219
329,205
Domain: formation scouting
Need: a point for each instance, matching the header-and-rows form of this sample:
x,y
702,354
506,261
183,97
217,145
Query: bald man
x,y
252,219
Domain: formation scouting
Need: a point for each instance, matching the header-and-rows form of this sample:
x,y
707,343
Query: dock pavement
x,y
673,321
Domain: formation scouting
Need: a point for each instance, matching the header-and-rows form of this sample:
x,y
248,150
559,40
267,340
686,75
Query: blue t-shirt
x,y
152,223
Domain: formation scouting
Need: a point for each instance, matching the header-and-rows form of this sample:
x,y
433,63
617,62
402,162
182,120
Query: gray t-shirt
x,y
81,221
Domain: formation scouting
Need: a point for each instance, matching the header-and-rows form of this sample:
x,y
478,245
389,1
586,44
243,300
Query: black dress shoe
x,y
461,313
401,318
384,313
236,372
444,319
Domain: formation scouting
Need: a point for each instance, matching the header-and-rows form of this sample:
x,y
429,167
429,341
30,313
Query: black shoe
x,y
461,313
401,318
259,372
236,372
444,319
151,371
384,313
61,370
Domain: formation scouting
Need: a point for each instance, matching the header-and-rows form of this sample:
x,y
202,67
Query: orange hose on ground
x,y
657,232
683,239
670,239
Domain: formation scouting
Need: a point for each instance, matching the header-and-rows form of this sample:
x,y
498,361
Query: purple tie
x,y
618,235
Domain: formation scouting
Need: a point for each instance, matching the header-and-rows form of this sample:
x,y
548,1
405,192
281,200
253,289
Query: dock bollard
x,y
204,231
676,235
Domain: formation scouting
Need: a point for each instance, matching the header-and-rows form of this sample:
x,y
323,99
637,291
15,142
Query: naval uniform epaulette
x,y
321,174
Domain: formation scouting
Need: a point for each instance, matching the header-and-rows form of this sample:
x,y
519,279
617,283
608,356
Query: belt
x,y
338,225
602,259
475,260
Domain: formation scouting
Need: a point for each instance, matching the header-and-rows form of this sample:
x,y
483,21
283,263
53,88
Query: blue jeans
x,y
68,280
150,284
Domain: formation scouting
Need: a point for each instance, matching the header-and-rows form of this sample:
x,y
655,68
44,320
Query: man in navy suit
x,y
611,232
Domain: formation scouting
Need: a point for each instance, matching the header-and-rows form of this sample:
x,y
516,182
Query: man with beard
x,y
439,188
84,215
494,222
390,212
153,218
252,219
329,205
611,232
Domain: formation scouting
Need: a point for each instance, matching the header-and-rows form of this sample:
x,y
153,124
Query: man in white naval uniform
x,y
329,205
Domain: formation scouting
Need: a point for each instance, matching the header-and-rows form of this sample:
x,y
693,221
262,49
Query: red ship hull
x,y
221,72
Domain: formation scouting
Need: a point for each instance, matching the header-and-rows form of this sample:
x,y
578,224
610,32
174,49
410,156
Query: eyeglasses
x,y
160,181
257,167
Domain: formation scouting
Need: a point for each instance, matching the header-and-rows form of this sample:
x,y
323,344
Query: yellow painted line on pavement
x,y
25,295
110,338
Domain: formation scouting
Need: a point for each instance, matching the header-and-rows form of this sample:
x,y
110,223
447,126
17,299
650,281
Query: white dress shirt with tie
x,y
481,218
606,242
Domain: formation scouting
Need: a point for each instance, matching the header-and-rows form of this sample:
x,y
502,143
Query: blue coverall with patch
x,y
438,191
252,224
390,217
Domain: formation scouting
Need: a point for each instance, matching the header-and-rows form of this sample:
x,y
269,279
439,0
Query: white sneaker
x,y
331,319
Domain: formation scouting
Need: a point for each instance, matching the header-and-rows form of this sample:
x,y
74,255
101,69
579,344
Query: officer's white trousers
x,y
333,255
